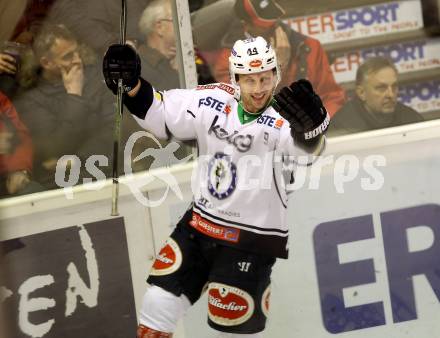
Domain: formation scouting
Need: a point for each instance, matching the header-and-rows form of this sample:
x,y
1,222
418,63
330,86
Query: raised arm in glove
x,y
303,108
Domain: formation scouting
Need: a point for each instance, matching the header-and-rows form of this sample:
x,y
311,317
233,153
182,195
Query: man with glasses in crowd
x,y
375,103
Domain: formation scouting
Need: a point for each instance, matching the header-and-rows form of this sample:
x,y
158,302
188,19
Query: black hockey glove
x,y
121,62
303,108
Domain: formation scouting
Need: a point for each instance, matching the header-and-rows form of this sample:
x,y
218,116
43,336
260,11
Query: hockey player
x,y
227,242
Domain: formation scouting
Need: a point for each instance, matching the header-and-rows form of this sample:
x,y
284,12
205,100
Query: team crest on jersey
x,y
222,176
168,260
228,305
265,300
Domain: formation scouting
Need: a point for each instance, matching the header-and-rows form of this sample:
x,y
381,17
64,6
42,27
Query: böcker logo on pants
x,y
229,305
168,260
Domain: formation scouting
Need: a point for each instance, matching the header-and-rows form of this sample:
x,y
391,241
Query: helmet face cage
x,y
252,56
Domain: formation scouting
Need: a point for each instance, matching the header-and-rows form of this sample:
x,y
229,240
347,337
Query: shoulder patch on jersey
x,y
223,86
158,95
207,86
227,88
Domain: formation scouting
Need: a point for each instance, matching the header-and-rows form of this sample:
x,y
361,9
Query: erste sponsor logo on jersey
x,y
168,260
214,230
228,305
265,301
407,56
241,142
211,102
270,121
360,22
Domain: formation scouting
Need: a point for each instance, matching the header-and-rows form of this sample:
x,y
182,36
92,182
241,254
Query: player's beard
x,y
255,102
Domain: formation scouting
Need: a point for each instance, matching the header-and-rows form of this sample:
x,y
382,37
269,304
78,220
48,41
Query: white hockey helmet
x,y
251,56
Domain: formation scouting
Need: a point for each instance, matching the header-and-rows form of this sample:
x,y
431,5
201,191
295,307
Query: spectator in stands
x,y
15,153
17,68
103,16
158,49
16,61
375,103
39,12
31,21
8,64
69,111
299,56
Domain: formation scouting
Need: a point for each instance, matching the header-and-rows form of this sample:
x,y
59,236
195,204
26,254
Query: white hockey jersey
x,y
240,196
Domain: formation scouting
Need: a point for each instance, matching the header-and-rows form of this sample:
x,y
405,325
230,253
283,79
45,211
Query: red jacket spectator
x,y
31,21
19,157
310,61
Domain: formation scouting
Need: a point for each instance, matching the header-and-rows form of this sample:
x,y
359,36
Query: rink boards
x,y
363,262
